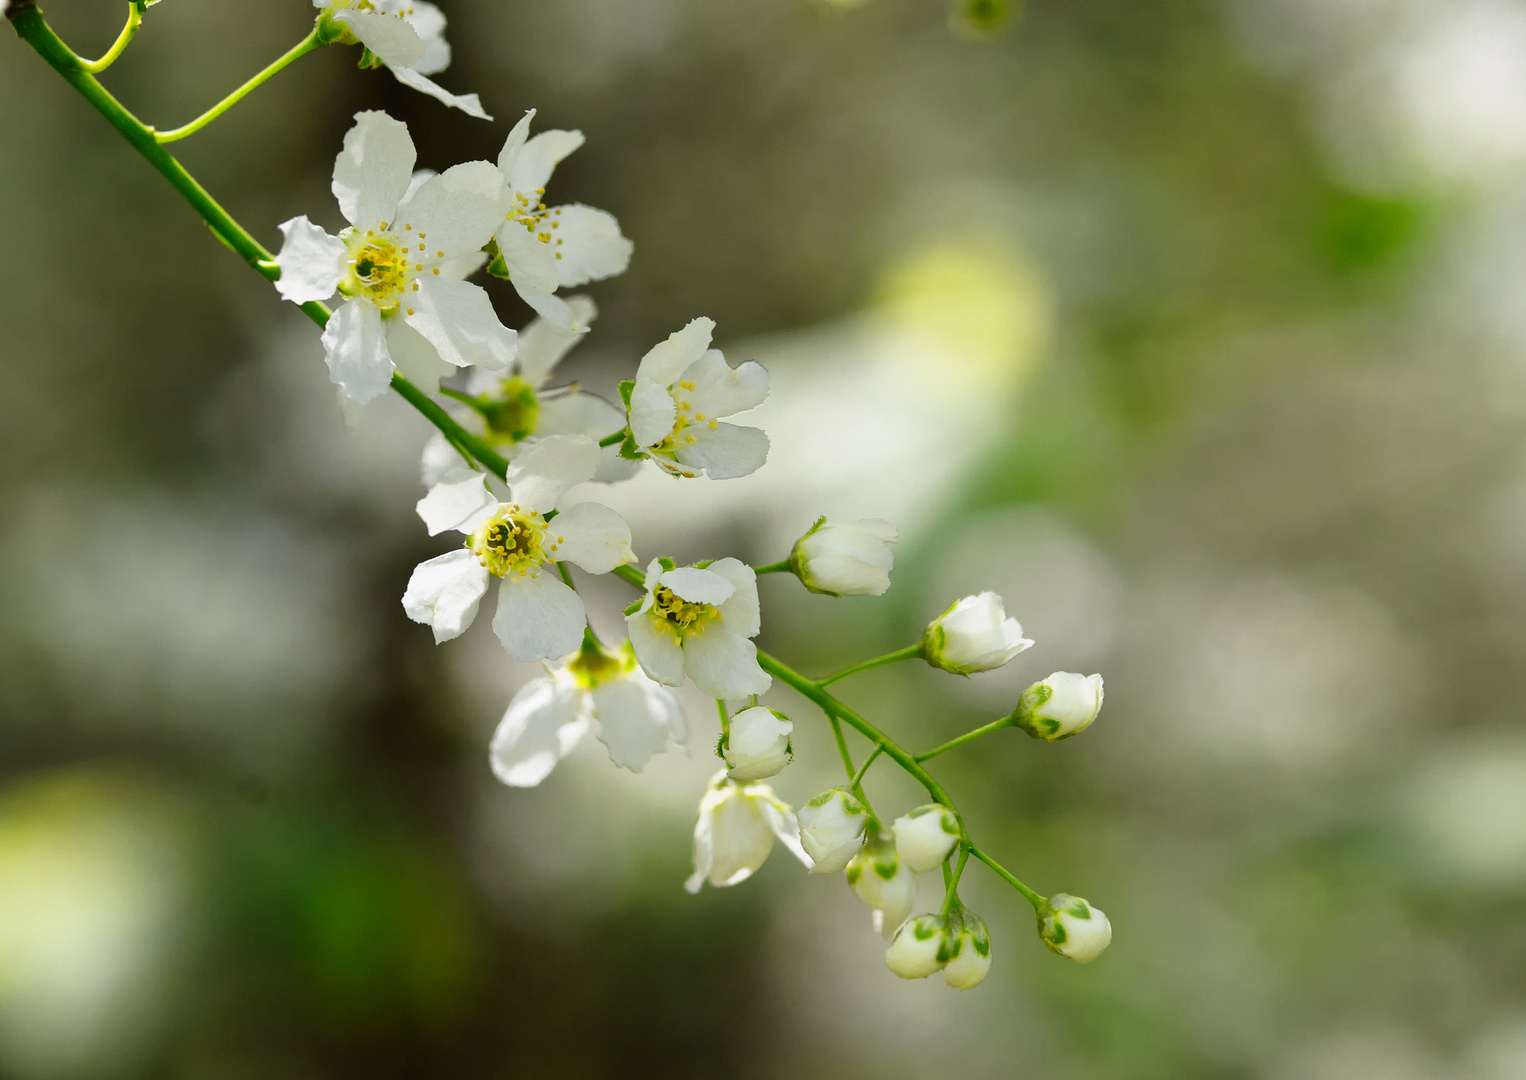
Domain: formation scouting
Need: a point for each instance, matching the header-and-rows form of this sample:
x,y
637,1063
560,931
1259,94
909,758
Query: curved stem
x,y
858,777
951,883
911,652
119,46
842,746
1006,875
296,52
968,736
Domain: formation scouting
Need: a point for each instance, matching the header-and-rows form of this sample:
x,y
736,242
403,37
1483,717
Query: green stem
x,y
863,770
296,52
720,707
781,567
968,736
951,883
842,746
911,652
613,440
119,46
561,568
34,30
1006,875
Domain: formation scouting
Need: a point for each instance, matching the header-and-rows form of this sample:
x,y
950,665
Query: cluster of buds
x,y
956,944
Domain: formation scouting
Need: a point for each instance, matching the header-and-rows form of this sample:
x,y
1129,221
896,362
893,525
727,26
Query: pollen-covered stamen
x,y
378,268
681,615
514,541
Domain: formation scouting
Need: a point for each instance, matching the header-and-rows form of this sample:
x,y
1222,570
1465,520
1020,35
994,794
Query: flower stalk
x,y
296,52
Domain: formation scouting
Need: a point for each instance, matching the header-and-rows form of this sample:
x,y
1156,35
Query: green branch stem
x,y
968,736
30,26
119,46
614,440
296,52
781,567
911,652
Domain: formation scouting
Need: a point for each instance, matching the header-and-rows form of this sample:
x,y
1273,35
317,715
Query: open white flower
x,y
595,689
408,36
738,824
883,882
756,744
975,634
918,948
925,836
549,248
1060,706
538,616
695,621
1073,928
968,944
682,390
832,830
389,262
845,560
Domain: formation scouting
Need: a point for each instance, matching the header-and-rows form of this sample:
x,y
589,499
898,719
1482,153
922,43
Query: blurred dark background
x,y
1193,328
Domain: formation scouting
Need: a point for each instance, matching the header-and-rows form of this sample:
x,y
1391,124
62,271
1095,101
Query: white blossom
x,y
391,263
549,248
695,621
968,946
538,616
925,836
1073,928
884,883
407,36
1060,706
682,390
975,634
832,830
845,560
917,949
738,824
756,745
595,689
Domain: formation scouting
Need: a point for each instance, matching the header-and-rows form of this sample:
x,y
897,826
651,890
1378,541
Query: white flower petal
x,y
724,451
439,459
704,850
742,839
593,536
633,714
470,104
723,664
413,356
372,172
720,390
781,819
428,23
551,308
588,243
544,722
577,413
666,361
535,162
657,650
458,319
538,616
652,412
456,211
462,503
613,468
390,38
698,586
740,610
312,262
543,343
355,347
444,593
531,263
515,144
545,468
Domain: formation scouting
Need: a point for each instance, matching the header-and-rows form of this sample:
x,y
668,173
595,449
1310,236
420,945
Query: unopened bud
x,y
883,882
918,948
832,830
845,560
975,634
756,745
1073,928
1062,705
924,837
969,948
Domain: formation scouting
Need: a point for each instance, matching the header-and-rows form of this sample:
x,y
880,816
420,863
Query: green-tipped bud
x,y
919,948
756,745
968,945
1060,706
924,837
883,882
832,830
845,560
975,634
1073,928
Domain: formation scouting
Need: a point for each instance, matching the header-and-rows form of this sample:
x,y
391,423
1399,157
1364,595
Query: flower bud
x,y
918,948
924,837
832,830
756,745
1062,705
973,635
883,882
969,953
1072,927
845,560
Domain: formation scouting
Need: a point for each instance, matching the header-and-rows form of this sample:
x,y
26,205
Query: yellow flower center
x,y
681,615
378,269
514,541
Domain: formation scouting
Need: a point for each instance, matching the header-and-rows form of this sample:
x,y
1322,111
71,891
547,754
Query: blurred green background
x,y
1195,328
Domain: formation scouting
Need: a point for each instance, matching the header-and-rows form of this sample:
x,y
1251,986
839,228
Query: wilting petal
x,y
355,347
470,104
543,723
538,616
372,172
311,262
444,593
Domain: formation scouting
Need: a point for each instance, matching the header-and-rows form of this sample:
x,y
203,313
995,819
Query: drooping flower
x,y
1060,706
388,263
832,830
597,689
738,824
968,944
682,390
975,634
925,836
1073,928
756,745
883,882
918,947
695,621
845,560
538,615
407,36
549,248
